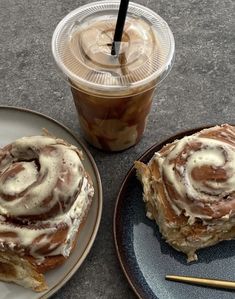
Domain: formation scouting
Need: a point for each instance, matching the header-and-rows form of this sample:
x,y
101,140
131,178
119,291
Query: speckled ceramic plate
x,y
146,258
16,123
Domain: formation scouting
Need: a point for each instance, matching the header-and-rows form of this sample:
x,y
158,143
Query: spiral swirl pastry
x,y
45,194
189,188
198,173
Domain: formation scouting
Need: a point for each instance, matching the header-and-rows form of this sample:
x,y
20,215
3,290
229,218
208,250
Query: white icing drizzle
x,y
50,167
61,177
17,183
200,193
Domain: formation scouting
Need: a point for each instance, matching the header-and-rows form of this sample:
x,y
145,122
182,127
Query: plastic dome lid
x,y
81,46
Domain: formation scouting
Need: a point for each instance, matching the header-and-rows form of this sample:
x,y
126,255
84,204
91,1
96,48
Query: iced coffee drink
x,y
113,93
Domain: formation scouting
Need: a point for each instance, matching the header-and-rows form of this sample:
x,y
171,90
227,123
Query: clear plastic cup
x,y
113,94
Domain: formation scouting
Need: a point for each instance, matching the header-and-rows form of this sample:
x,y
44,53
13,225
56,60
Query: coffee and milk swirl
x,y
198,173
44,191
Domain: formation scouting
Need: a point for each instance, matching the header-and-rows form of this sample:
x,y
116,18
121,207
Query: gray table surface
x,y
198,91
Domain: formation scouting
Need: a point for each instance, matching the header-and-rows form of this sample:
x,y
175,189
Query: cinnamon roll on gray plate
x,y
45,195
189,189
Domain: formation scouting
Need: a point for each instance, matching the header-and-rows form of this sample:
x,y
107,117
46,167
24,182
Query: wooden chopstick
x,y
216,283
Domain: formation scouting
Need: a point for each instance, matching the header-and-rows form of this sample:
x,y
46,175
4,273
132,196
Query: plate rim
x,y
90,243
159,144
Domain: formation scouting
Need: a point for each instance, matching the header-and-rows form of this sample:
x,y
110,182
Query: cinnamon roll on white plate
x,y
189,189
45,195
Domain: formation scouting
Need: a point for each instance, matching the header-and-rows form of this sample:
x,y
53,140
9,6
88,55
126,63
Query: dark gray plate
x,y
146,258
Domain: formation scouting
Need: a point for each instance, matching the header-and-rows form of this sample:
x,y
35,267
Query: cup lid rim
x,y
160,73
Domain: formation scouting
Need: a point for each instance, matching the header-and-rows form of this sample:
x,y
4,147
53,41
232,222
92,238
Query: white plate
x,y
16,123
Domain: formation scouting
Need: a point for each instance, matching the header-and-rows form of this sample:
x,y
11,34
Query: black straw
x,y
119,26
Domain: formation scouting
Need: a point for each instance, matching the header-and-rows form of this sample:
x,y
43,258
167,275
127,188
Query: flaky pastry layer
x,y
189,189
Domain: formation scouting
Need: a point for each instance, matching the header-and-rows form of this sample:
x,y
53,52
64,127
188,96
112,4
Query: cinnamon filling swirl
x,y
198,173
189,189
44,195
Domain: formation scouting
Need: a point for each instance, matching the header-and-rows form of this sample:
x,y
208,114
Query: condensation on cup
x,y
113,94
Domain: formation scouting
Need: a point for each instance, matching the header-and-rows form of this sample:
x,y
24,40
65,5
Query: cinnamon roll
x,y
45,195
189,189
